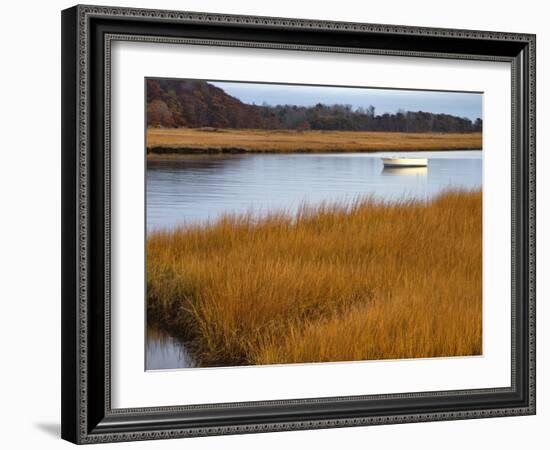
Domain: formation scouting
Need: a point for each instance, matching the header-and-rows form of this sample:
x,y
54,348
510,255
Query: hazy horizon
x,y
460,104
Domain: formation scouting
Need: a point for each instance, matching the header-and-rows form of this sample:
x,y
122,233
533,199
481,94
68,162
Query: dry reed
x,y
334,283
190,140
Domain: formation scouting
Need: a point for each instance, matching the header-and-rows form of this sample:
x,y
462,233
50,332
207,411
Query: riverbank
x,y
366,281
208,140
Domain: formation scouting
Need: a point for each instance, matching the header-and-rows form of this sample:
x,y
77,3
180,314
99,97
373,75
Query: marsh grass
x,y
366,280
197,140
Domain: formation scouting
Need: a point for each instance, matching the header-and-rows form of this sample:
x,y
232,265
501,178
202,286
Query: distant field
x,y
193,140
336,283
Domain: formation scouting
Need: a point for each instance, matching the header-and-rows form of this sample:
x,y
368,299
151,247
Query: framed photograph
x,y
280,224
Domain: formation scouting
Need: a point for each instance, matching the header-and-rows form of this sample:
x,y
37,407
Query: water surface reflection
x,y
163,351
196,189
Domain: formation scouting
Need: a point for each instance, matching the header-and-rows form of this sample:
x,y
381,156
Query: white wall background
x,y
30,223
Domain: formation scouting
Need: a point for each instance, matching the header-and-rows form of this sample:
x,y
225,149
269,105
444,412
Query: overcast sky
x,y
462,104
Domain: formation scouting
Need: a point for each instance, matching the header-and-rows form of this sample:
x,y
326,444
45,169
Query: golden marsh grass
x,y
201,140
362,281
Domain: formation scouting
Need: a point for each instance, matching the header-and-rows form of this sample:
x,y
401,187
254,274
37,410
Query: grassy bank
x,y
190,140
367,281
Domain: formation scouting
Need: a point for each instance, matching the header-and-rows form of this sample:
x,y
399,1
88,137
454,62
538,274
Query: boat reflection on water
x,y
418,171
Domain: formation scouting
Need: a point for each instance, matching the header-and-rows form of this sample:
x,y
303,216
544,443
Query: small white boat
x,y
405,162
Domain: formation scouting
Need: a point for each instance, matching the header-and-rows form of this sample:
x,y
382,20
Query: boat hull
x,y
405,162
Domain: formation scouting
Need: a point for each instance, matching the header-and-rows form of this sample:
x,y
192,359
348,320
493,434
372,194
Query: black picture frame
x,y
87,416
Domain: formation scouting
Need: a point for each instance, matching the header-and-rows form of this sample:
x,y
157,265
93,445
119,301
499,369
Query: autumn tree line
x,y
197,104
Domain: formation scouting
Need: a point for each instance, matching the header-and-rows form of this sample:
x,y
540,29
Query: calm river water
x,y
197,189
